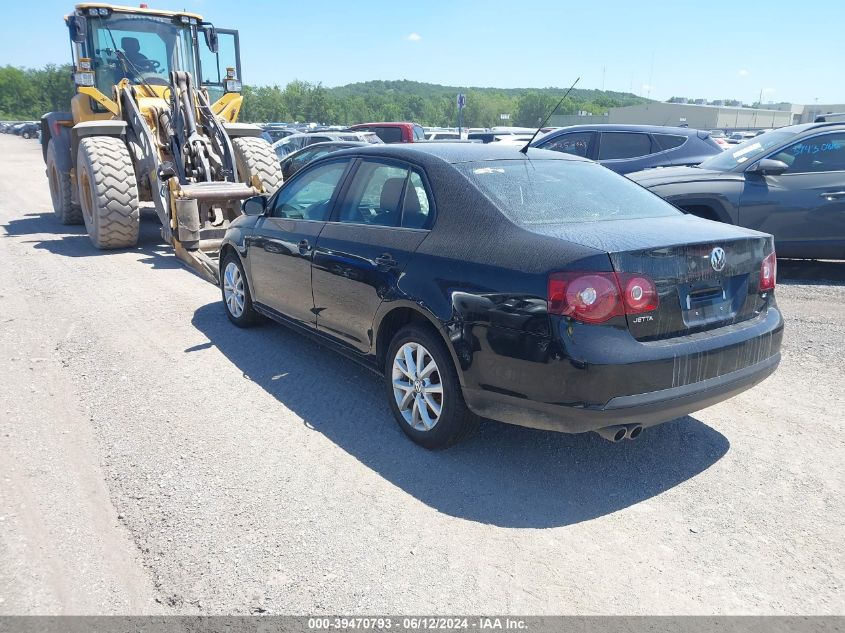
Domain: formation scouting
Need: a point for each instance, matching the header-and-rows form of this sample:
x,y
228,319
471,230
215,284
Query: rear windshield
x,y
554,191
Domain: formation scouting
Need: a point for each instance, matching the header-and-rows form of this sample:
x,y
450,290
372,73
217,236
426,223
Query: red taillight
x,y
769,272
638,293
597,297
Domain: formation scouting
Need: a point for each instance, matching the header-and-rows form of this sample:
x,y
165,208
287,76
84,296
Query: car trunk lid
x,y
706,273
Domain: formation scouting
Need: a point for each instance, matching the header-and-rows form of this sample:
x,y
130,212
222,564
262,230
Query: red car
x,y
394,132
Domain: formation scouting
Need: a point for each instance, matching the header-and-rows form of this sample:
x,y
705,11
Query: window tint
x,y
577,143
616,145
557,191
307,196
819,153
669,141
375,195
417,208
389,134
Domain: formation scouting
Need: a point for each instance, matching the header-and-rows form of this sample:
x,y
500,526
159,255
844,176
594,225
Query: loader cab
x,y
145,46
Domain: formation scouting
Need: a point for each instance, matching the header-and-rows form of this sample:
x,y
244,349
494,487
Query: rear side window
x,y
375,195
389,134
669,141
616,145
577,143
562,191
417,207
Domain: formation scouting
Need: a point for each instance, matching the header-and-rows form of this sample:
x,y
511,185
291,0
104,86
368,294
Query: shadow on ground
x,y
72,240
811,272
505,476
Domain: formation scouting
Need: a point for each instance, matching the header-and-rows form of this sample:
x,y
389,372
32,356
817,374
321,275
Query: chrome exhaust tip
x,y
634,431
615,433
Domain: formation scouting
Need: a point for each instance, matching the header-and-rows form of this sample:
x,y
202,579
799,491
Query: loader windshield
x,y
141,48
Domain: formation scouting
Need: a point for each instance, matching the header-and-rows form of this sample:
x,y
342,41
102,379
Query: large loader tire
x,y
60,187
108,192
255,157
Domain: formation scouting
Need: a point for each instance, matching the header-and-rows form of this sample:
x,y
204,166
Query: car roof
x,y
624,127
385,124
458,152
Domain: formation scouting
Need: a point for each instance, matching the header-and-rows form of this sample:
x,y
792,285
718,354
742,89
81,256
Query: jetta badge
x,y
718,259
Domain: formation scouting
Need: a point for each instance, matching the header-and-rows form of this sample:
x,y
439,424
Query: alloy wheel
x,y
233,289
417,386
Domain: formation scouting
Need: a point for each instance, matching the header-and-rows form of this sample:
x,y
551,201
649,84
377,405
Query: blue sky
x,y
713,48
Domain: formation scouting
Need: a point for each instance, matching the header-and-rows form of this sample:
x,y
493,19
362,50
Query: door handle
x,y
304,247
832,195
385,262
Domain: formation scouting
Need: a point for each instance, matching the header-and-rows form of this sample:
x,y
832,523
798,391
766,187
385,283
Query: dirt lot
x,y
156,459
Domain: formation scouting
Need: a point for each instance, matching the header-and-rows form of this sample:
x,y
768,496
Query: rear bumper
x,y
749,354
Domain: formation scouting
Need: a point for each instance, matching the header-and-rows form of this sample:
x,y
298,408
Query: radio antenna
x,y
524,150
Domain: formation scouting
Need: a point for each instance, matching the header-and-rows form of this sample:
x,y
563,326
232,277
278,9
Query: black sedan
x,y
789,182
295,161
541,290
627,148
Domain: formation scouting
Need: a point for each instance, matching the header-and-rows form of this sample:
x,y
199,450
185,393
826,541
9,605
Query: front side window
x,y
618,145
819,153
562,191
308,196
375,195
576,143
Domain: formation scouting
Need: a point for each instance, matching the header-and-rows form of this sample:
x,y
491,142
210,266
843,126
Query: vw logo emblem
x,y
718,259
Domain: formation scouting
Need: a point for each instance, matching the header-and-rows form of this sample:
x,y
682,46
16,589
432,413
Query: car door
x,y
626,152
380,220
581,143
282,244
804,207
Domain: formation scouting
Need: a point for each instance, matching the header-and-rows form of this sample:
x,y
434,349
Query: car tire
x,y
25,135
430,395
234,289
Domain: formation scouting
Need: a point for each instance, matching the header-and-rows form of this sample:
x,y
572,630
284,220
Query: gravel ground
x,y
158,460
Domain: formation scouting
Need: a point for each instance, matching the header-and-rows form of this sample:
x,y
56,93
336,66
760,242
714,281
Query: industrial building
x,y
702,117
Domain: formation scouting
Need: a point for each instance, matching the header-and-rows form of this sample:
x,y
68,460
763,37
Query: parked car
x,y
275,132
789,182
297,141
401,132
28,130
720,138
627,148
740,137
295,161
441,135
539,290
493,137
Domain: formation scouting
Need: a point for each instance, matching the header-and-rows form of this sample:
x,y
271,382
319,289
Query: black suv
x,y
627,148
789,182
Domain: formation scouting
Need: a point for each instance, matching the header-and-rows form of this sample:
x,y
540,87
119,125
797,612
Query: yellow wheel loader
x,y
154,119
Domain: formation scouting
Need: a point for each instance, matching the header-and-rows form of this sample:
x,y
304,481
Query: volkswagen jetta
x,y
538,289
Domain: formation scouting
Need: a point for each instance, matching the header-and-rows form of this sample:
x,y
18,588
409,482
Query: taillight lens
x,y
769,272
596,297
638,293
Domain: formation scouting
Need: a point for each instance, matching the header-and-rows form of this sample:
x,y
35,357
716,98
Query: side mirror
x,y
768,167
78,27
211,39
256,205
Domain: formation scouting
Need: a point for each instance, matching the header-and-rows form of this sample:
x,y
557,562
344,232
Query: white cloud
x,y
768,91
414,37
646,87
743,73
